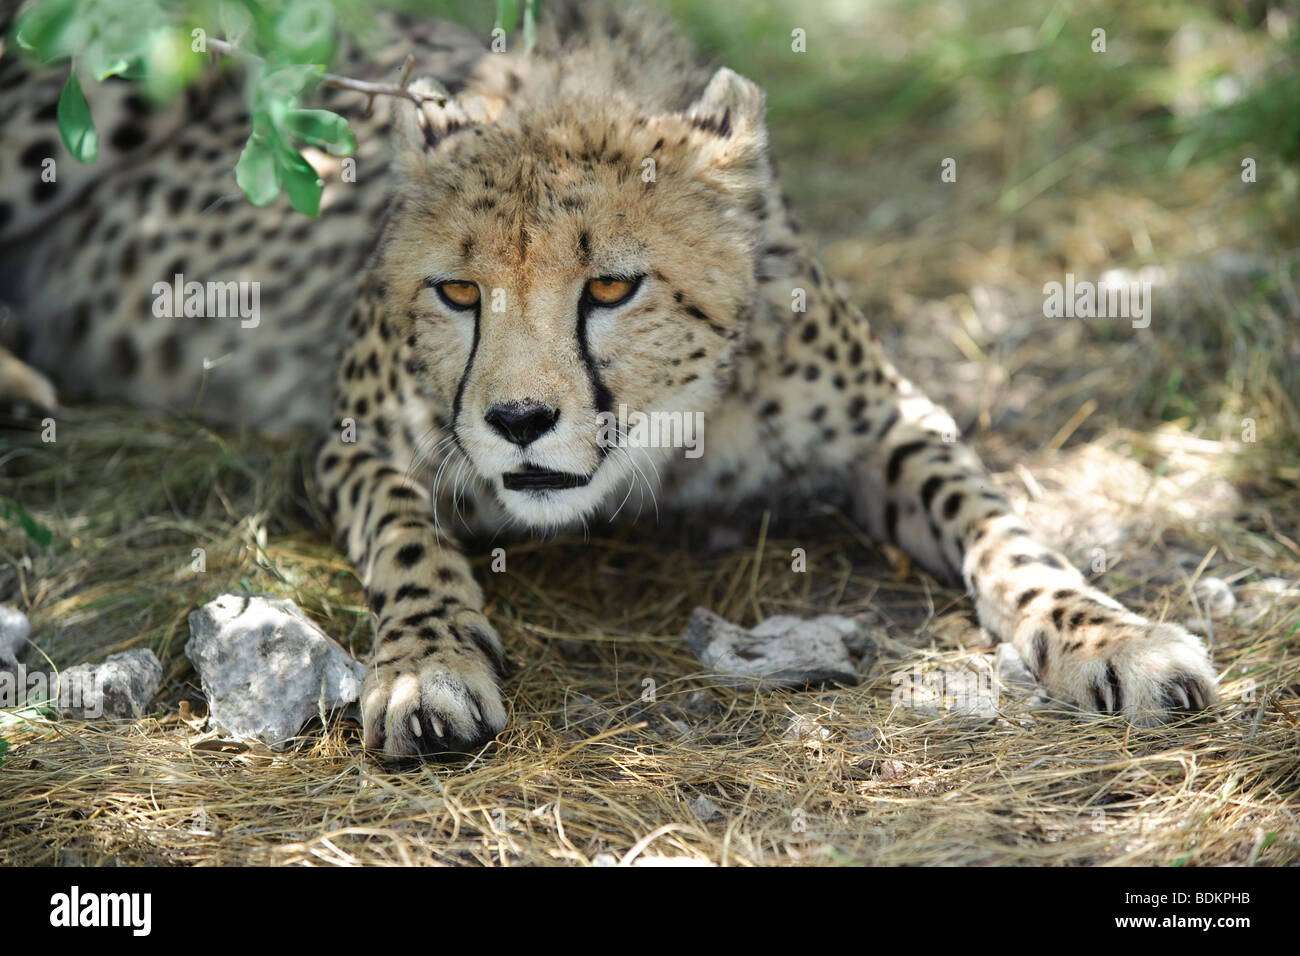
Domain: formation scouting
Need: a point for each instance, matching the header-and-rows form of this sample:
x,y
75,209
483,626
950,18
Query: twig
x,y
371,90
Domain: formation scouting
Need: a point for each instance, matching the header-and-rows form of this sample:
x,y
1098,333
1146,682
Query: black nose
x,y
522,422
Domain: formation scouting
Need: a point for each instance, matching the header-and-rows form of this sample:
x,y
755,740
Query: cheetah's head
x,y
561,259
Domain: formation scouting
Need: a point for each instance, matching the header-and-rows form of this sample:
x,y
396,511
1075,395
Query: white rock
x,y
806,730
965,690
266,669
704,809
1216,597
1011,668
14,629
120,686
782,650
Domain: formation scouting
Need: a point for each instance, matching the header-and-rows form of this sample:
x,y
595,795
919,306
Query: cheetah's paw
x,y
439,697
1150,673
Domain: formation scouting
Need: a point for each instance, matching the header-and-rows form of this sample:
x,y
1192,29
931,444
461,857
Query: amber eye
x,y
459,295
608,290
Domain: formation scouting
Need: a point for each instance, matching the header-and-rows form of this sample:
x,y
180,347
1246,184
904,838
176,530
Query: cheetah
x,y
591,226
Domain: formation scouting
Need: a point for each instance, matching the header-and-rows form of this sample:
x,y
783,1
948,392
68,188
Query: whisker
x,y
653,497
630,485
456,490
424,455
437,481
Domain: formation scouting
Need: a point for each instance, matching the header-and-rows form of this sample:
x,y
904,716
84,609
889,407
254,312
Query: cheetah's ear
x,y
728,122
420,129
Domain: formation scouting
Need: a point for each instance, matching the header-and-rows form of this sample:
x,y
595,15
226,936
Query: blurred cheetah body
x,y
477,358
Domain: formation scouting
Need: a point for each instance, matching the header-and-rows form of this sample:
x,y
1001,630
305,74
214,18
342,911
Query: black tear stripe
x,y
601,395
464,377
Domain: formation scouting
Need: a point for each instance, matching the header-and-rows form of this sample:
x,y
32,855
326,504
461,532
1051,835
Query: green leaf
x,y
300,179
304,32
4,748
75,125
36,531
42,29
531,9
134,70
97,61
286,82
170,63
256,172
507,14
321,128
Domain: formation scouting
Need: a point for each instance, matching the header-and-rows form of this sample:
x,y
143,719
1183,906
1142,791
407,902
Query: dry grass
x,y
587,766
1108,438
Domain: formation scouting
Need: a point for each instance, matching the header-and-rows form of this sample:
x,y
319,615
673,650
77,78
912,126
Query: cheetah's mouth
x,y
532,478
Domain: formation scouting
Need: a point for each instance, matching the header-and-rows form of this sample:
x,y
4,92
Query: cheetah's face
x,y
550,275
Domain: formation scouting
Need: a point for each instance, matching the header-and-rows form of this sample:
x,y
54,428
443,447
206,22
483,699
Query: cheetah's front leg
x,y
931,497
434,679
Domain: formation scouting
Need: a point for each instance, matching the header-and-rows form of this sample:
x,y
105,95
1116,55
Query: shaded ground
x,y
1128,441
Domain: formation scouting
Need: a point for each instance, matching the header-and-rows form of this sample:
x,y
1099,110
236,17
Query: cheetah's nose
x,y
521,422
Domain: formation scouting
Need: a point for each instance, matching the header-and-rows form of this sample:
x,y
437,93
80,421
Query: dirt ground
x,y
1167,455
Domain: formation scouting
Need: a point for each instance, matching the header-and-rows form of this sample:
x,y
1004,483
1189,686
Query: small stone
x,y
699,704
704,809
121,686
266,669
1216,597
806,730
865,642
1011,668
861,641
1279,586
604,859
890,770
723,539
783,650
14,629
968,690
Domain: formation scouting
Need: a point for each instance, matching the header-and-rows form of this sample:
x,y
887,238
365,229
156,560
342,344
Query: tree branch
x,y
369,90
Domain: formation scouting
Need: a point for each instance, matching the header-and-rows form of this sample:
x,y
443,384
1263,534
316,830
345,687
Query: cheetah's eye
x,y
610,290
458,295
